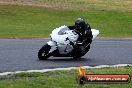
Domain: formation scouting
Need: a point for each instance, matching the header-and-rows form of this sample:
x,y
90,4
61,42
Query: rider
x,y
84,31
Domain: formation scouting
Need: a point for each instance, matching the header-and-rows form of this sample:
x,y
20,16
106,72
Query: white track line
x,y
46,70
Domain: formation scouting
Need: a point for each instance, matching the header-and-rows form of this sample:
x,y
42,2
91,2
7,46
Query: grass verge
x,y
61,79
18,21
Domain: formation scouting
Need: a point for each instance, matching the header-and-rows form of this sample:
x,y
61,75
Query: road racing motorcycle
x,y
62,44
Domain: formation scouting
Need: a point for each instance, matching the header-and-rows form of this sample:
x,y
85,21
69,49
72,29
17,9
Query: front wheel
x,y
43,53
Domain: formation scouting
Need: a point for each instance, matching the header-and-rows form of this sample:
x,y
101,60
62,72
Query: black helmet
x,y
80,23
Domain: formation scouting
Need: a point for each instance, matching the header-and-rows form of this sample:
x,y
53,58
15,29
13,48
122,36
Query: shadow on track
x,y
55,62
68,60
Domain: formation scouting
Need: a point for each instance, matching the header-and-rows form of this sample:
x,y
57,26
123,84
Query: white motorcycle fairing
x,y
61,38
95,33
60,35
53,46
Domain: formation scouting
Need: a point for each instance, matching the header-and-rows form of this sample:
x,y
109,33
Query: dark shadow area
x,y
67,59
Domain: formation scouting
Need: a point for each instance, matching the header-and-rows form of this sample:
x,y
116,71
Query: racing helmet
x,y
80,24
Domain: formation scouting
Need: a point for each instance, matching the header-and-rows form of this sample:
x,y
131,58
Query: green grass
x,y
61,79
113,20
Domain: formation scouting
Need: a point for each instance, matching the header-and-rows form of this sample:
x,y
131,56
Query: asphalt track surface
x,y
21,55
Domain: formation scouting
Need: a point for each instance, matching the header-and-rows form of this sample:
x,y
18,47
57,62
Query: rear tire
x,y
43,53
79,53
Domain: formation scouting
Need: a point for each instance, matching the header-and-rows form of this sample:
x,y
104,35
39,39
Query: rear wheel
x,y
80,52
43,53
77,54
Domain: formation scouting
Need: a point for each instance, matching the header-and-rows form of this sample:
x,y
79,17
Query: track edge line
x,y
69,68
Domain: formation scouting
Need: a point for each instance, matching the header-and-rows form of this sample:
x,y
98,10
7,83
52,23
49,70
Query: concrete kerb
x,y
69,68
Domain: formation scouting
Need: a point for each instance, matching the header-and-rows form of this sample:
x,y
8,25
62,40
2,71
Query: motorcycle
x,y
62,44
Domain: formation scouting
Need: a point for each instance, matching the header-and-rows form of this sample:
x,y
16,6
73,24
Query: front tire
x,y
43,53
